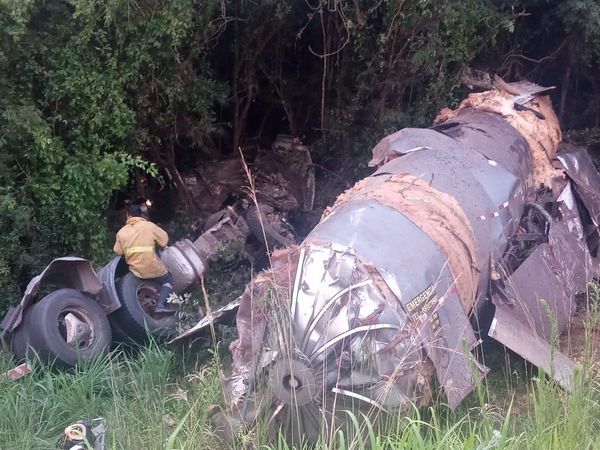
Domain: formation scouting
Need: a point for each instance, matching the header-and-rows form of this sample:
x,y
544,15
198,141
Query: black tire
x,y
19,342
119,336
44,329
132,318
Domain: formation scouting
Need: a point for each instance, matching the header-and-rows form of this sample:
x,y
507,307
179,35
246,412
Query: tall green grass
x,y
149,403
156,399
557,420
515,407
148,400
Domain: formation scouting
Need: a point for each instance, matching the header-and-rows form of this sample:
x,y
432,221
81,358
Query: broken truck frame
x,y
85,308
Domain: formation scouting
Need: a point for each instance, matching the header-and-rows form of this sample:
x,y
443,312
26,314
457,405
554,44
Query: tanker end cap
x,y
325,330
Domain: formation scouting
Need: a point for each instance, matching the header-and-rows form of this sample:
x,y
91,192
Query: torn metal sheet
x,y
449,341
480,132
380,297
537,124
212,317
536,302
564,266
405,141
567,241
509,330
580,168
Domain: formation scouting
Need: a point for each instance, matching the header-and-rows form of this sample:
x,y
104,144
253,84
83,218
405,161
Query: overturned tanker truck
x,y
483,224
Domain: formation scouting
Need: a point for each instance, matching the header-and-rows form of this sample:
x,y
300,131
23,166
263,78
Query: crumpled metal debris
x,y
283,177
480,216
18,372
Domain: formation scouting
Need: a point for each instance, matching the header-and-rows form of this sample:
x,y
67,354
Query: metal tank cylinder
x,y
378,299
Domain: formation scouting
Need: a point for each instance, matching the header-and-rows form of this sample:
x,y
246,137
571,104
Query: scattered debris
x,y
283,176
18,372
78,319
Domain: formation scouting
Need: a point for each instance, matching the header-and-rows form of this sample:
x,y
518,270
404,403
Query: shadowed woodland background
x,y
98,93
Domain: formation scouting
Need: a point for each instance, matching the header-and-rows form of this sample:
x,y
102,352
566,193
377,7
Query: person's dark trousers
x,y
166,289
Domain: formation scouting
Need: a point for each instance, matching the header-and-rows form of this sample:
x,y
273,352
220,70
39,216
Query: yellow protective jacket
x,y
137,240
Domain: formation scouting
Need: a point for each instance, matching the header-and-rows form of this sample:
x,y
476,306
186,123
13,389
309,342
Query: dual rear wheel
x,y
67,326
136,316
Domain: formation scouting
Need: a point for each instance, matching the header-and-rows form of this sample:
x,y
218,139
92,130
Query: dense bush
x,y
90,89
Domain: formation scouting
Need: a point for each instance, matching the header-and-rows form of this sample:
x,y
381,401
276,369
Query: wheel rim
x,y
147,296
76,327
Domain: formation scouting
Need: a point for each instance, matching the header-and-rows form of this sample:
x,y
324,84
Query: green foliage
x,y
404,56
581,18
153,400
558,421
392,64
555,43
89,89
156,399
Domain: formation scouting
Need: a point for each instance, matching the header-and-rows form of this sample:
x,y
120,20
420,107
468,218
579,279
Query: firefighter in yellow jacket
x,y
137,241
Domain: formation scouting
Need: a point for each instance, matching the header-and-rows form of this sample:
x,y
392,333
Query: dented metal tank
x,y
479,224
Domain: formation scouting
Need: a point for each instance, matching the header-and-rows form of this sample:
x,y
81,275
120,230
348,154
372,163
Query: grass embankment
x,y
155,400
143,398
150,401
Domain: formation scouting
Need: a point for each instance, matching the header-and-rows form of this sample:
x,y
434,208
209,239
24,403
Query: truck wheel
x,y
63,328
119,336
136,315
19,342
